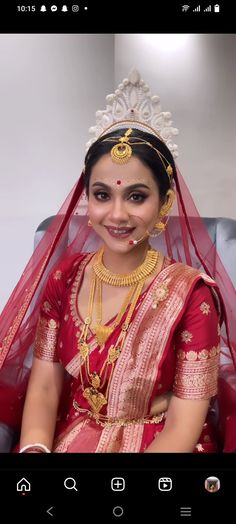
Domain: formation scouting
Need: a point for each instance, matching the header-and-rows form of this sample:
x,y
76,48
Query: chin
x,y
118,247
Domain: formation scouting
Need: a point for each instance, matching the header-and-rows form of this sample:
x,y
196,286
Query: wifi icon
x,y
185,7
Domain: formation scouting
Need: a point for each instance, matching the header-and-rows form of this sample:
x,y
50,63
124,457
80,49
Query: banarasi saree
x,y
172,345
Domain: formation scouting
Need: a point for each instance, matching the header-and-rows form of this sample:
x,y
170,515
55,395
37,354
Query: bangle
x,y
35,447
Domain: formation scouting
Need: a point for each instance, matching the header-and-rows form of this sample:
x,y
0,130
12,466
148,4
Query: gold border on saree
x,y
105,421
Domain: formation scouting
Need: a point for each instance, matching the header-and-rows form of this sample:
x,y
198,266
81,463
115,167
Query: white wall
x,y
50,89
195,77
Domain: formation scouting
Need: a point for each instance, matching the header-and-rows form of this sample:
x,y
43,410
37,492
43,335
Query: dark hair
x,y
145,153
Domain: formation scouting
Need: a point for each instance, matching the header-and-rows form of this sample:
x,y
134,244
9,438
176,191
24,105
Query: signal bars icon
x,y
208,9
197,9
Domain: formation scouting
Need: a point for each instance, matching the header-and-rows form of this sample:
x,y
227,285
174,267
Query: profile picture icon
x,y
212,484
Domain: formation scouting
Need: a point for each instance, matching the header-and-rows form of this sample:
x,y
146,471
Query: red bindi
x,y
118,182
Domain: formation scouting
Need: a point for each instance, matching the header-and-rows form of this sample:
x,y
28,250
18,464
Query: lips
x,y
119,229
123,232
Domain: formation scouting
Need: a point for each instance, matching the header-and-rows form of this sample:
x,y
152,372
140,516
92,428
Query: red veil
x,y
186,239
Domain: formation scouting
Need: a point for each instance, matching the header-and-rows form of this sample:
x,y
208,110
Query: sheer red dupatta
x,y
19,317
199,251
186,239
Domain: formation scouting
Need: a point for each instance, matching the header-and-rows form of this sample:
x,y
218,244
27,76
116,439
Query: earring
x,y
166,208
90,223
161,226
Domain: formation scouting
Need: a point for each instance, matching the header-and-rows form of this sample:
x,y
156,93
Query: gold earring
x,y
168,204
161,226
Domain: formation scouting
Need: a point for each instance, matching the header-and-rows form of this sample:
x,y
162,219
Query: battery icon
x,y
216,8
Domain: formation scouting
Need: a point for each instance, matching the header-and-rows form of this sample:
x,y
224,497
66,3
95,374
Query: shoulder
x,y
63,273
192,274
68,266
199,286
197,273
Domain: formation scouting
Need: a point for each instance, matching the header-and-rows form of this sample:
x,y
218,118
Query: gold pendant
x,y
96,380
102,333
113,354
83,349
95,399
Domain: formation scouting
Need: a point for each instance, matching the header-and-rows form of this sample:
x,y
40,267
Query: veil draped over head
x,y
186,239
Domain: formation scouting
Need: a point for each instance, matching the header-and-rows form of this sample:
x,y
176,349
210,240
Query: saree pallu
x,y
172,345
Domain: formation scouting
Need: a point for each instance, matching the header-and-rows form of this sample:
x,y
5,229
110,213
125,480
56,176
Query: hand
x,y
160,403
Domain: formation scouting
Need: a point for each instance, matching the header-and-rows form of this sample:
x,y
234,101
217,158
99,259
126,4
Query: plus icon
x,y
118,484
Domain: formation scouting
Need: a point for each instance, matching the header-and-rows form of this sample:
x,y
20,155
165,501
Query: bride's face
x,y
122,196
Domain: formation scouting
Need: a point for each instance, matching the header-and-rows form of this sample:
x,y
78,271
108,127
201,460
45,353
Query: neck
x,y
123,263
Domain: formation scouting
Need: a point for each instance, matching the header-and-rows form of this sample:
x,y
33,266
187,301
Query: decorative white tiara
x,y
132,105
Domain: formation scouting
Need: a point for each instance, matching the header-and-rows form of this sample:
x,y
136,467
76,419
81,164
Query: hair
x,y
145,153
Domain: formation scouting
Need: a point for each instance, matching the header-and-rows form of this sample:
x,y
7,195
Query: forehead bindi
x,y
107,171
121,184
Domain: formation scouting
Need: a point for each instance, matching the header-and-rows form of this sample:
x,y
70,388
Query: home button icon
x,y
23,485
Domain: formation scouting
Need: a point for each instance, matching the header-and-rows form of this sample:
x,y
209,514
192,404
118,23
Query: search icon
x,y
70,483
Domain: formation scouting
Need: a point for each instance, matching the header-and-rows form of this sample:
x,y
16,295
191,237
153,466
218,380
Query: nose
x,y
119,212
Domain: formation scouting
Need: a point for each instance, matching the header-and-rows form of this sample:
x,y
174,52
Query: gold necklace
x,y
96,399
102,331
128,279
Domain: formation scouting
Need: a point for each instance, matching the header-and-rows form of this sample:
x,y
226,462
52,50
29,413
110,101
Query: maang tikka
x,y
122,151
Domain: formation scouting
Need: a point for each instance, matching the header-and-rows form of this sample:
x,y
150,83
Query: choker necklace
x,y
128,279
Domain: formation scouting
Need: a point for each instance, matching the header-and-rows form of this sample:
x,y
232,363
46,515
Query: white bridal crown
x,y
132,105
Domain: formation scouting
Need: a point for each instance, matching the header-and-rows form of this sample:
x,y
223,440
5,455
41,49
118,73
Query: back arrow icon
x,y
49,511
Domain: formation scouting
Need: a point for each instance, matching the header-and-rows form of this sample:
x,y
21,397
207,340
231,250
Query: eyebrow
x,y
128,188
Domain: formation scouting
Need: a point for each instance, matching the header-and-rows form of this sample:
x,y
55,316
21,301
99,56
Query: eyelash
x,y
143,197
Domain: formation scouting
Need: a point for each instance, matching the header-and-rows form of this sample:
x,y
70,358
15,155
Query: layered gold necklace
x,y
136,279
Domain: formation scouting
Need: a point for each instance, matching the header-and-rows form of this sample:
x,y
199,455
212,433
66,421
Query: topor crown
x,y
132,105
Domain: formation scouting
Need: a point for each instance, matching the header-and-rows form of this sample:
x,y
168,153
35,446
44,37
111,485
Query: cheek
x,y
149,210
95,211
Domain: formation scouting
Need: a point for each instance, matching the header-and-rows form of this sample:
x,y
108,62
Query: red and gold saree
x,y
172,345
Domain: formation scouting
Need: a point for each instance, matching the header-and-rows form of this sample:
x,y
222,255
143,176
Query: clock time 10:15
x,y
26,8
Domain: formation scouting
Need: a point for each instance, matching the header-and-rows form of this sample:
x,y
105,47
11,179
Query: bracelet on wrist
x,y
37,447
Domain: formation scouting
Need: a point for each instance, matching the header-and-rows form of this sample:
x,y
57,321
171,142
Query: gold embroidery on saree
x,y
197,373
57,275
205,308
46,307
74,291
46,339
8,339
137,368
62,444
186,336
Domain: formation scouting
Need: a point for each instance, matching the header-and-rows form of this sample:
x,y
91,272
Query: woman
x,y
124,328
